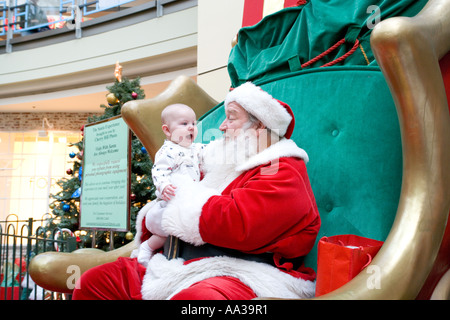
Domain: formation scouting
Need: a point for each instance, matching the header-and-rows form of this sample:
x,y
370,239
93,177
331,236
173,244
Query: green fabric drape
x,y
285,40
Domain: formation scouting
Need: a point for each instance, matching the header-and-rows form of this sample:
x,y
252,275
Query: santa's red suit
x,y
263,206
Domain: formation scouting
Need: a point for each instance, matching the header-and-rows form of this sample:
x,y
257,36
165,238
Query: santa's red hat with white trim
x,y
274,114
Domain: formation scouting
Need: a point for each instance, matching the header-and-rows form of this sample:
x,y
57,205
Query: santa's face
x,y
240,139
235,122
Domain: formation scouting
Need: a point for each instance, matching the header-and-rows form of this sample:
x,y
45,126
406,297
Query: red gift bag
x,y
340,258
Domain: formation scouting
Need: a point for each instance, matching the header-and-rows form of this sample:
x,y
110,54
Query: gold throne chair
x,y
408,51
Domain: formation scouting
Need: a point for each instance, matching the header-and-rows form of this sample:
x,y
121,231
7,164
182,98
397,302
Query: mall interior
x,y
57,58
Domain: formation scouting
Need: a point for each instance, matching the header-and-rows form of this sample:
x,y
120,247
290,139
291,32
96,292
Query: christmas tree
x,y
66,204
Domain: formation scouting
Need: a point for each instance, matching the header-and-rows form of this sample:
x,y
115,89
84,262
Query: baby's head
x,y
179,124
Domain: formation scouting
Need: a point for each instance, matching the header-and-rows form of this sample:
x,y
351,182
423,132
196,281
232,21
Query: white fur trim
x,y
262,105
140,216
182,214
283,148
165,278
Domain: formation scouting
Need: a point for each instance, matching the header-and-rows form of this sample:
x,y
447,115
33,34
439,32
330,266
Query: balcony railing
x,y
19,18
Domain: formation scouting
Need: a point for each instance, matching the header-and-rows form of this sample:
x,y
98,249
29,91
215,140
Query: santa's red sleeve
x,y
260,211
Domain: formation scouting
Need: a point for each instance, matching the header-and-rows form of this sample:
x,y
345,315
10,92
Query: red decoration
x,y
253,10
340,258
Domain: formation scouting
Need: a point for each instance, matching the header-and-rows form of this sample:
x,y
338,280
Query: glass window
x,y
30,166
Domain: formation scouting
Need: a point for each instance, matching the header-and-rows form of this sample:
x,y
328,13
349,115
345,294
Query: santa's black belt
x,y
176,248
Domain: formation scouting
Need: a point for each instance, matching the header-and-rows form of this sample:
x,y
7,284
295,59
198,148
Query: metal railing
x,y
26,17
19,243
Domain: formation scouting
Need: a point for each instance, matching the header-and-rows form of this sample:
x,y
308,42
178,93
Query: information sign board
x,y
105,188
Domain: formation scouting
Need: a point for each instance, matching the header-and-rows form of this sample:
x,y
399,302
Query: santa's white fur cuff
x,y
182,215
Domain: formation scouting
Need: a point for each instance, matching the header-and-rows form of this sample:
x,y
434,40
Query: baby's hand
x,y
168,192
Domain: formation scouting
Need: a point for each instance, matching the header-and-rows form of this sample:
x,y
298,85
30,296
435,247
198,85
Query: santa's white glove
x,y
145,253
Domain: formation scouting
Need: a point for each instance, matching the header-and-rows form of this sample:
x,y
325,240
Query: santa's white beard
x,y
233,151
224,155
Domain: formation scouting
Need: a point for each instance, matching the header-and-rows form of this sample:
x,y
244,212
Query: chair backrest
x,y
347,123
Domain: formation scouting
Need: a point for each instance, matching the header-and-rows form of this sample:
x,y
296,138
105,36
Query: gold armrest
x,y
57,271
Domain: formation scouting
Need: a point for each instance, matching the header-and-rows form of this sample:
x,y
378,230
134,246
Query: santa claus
x,y
242,231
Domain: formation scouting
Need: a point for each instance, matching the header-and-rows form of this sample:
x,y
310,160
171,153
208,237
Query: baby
x,y
179,155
